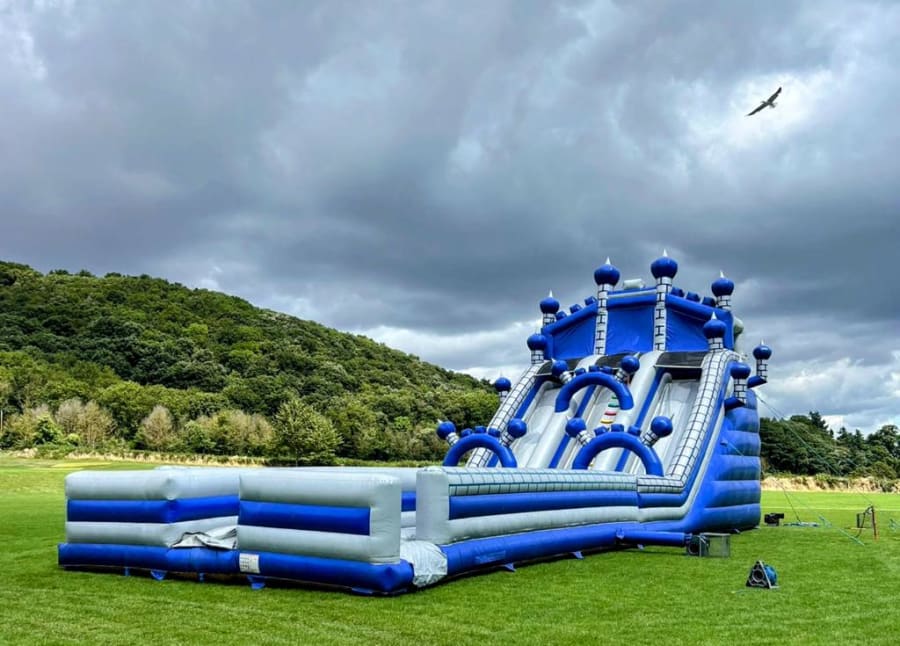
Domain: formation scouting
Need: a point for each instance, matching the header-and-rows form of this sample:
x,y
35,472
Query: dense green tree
x,y
304,435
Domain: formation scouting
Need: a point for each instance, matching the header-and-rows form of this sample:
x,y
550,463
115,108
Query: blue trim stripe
x,y
517,503
360,576
193,559
650,500
408,501
368,577
340,520
151,511
470,555
731,494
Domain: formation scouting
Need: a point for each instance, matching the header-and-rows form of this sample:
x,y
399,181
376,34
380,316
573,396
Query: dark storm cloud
x,y
431,170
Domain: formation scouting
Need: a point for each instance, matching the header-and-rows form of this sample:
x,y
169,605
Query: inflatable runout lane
x,y
635,424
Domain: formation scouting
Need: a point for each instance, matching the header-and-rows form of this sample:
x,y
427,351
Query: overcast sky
x,y
424,172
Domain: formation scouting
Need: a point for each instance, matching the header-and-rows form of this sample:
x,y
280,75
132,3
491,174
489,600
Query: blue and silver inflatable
x,y
634,424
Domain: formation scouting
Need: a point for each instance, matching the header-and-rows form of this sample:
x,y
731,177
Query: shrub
x,y
32,427
157,430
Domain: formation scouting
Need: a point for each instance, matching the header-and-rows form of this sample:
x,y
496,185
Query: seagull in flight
x,y
768,103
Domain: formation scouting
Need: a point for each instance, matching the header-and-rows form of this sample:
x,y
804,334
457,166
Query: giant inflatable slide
x,y
635,424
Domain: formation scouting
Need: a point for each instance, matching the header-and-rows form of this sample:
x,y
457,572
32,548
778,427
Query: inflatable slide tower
x,y
634,424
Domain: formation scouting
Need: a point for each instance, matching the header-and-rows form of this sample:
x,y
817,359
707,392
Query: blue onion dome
x,y
549,305
617,428
722,286
661,426
762,351
480,429
466,432
537,342
606,274
664,267
502,385
574,426
493,432
444,429
714,328
516,427
740,370
630,364
558,368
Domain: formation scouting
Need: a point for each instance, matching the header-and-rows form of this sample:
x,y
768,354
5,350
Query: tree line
x,y
805,445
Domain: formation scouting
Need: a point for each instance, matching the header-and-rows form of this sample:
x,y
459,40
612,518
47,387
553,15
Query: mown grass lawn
x,y
832,590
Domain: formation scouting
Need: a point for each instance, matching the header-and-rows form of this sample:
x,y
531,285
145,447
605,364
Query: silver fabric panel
x,y
158,484
497,525
350,547
154,534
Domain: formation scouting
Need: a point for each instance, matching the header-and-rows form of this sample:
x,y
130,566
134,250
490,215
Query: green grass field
x,y
832,590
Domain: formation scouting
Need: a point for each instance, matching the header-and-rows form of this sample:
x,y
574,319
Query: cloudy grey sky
x,y
423,172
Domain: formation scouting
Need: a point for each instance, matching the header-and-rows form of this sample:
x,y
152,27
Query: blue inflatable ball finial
x,y
630,364
714,328
606,274
740,370
722,286
444,429
661,426
502,385
537,342
516,427
575,426
664,267
466,432
762,351
549,305
617,428
558,368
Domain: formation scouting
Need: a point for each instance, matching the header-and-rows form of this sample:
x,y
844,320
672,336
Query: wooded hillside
x,y
142,362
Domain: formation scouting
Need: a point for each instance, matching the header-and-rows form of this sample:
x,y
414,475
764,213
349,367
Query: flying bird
x,y
768,103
